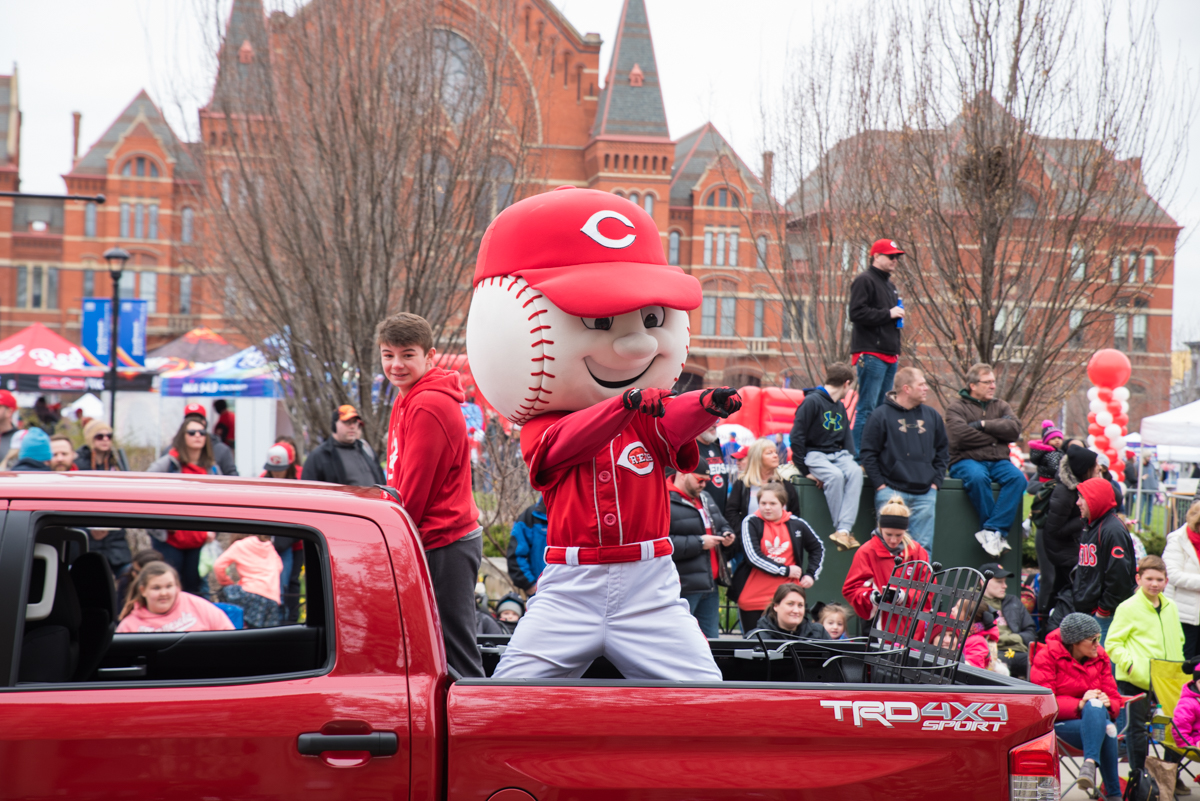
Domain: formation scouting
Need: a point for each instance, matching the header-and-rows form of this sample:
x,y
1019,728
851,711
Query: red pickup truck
x,y
356,702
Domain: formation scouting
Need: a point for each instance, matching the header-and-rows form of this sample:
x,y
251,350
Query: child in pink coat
x,y
1187,711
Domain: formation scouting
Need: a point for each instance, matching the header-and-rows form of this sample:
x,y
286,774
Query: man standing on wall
x,y
877,315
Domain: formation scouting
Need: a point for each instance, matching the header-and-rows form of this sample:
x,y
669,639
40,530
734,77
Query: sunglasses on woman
x,y
196,432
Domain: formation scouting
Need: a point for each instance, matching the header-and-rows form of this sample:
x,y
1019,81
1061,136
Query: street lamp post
x,y
116,258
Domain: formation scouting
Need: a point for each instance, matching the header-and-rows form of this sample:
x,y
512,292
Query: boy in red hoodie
x,y
429,464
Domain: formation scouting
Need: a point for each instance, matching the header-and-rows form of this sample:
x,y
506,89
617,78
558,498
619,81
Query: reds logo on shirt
x,y
716,470
636,458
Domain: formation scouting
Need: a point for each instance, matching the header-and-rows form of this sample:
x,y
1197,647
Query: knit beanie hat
x,y
510,604
1077,627
1081,461
93,428
1050,431
35,445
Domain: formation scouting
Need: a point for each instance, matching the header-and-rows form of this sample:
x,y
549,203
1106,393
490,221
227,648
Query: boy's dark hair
x,y
839,373
405,329
219,406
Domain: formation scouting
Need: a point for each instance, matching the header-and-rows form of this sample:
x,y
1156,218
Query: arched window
x,y
226,187
648,203
723,197
1148,267
618,193
1026,205
187,229
760,250
458,70
606,157
673,248
633,198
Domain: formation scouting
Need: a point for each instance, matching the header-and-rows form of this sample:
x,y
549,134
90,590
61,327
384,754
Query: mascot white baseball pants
x,y
630,612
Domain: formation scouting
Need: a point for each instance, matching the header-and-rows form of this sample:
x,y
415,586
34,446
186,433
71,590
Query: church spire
x,y
631,102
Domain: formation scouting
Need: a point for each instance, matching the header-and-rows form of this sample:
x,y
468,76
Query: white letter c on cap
x,y
592,229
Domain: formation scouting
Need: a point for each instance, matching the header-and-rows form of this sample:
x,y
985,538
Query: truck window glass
x,y
215,603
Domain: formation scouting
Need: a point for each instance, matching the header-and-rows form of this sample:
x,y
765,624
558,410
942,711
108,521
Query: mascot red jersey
x,y
578,329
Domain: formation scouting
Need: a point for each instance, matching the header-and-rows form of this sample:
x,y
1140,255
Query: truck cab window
x,y
115,601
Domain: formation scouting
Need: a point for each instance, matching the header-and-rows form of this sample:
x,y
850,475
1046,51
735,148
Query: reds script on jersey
x,y
617,498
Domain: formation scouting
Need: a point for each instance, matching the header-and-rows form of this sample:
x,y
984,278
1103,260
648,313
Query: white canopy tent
x,y
1177,427
1176,436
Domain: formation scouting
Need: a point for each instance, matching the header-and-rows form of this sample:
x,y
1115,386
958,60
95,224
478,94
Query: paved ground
x,y
1079,795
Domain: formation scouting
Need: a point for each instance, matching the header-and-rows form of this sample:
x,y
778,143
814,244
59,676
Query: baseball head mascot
x,y
578,329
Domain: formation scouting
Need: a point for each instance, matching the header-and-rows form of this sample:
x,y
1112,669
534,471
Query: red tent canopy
x,y
36,358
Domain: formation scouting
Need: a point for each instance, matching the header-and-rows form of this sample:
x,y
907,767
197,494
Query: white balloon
x,y
1124,407
1119,394
1093,393
1112,431
1091,441
1118,445
1097,406
1104,419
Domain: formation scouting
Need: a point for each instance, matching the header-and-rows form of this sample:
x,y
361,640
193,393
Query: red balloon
x,y
1122,420
1101,443
1109,368
1095,430
1120,467
1114,408
1104,394
1091,417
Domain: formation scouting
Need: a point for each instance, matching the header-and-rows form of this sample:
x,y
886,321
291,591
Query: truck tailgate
x,y
606,740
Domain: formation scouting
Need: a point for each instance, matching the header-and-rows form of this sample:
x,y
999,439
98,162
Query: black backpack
x,y
1141,787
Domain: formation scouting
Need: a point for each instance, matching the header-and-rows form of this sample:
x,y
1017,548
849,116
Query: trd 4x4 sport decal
x,y
934,716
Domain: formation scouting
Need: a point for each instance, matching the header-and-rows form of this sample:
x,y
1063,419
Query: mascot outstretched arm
x,y
577,331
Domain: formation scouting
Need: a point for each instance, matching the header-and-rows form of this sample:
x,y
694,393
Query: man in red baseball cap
x,y
8,408
877,315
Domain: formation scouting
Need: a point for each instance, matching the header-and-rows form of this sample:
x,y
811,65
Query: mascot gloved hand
x,y
578,331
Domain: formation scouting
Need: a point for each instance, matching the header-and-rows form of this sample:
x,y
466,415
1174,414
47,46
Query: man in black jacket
x,y
1107,570
823,450
905,452
1016,625
877,315
344,458
698,533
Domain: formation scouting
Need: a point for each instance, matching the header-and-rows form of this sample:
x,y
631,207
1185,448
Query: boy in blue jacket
x,y
527,548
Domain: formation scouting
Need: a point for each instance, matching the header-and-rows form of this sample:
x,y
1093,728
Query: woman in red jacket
x,y
1074,666
875,561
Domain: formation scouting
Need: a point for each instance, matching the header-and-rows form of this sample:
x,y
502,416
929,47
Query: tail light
x,y
1033,770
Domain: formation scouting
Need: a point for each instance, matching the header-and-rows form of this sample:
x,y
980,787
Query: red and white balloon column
x,y
1108,418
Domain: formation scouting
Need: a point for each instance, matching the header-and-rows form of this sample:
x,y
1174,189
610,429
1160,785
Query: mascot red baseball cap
x,y
887,247
592,253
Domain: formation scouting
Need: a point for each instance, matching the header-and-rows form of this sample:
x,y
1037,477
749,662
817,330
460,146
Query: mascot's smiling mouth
x,y
619,384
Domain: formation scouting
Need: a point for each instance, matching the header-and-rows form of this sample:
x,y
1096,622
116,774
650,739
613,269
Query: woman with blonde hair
x,y
875,561
1183,577
762,468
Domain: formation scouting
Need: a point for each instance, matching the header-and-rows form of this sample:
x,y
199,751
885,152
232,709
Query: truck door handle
x,y
377,743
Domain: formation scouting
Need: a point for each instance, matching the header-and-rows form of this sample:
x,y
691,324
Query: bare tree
x,y
355,151
1020,151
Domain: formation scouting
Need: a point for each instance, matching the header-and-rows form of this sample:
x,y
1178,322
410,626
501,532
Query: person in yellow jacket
x,y
1145,626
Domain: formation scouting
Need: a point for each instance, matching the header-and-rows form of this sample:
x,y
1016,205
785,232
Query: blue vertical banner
x,y
97,322
131,335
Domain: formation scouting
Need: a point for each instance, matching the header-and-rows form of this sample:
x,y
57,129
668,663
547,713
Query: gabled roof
x,y
243,72
625,109
695,153
141,111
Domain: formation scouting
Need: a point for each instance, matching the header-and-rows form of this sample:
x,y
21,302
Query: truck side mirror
x,y
47,555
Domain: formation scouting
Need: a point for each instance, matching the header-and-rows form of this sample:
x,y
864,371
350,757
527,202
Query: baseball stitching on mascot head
x,y
575,303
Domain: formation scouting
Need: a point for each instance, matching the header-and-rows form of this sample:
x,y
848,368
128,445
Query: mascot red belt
x,y
578,329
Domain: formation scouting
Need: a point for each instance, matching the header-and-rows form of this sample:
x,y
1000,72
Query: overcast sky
x,y
717,61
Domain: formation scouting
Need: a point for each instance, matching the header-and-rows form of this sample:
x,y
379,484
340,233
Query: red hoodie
x,y
429,460
1098,492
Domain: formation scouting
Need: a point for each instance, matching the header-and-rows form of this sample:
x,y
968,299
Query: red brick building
x,y
606,131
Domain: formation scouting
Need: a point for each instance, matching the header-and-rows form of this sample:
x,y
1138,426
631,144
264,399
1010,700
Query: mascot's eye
x,y
597,323
654,316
